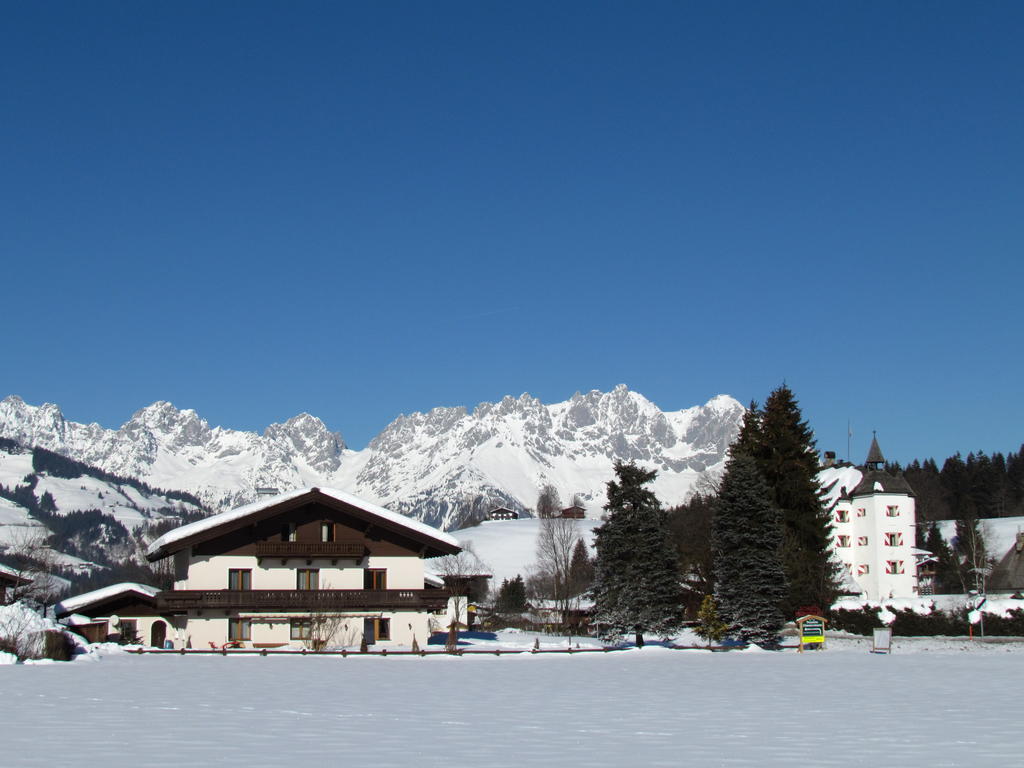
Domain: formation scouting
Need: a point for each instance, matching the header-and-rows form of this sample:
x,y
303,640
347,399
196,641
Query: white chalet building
x,y
286,570
874,524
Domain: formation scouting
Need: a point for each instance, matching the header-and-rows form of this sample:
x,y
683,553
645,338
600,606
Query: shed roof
x,y
78,602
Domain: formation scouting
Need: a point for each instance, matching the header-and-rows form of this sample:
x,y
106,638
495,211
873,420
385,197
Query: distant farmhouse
x,y
874,521
307,568
502,513
575,512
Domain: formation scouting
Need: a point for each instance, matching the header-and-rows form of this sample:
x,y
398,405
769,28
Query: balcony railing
x,y
310,549
176,601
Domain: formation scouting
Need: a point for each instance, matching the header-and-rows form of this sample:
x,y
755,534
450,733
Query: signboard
x,y
882,641
812,631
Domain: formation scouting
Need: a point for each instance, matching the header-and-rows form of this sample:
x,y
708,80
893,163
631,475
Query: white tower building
x,y
874,525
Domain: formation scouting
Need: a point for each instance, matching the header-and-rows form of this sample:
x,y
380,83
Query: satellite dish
x,y
115,620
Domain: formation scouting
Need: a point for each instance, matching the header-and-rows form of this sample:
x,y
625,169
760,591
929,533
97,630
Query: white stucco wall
x,y
269,573
874,524
275,630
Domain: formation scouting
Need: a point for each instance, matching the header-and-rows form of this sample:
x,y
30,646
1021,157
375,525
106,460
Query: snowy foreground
x,y
931,703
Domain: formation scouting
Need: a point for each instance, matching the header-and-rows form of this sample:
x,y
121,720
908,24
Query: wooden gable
x,y
354,533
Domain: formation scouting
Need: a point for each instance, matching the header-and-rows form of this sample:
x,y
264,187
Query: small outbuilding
x,y
125,611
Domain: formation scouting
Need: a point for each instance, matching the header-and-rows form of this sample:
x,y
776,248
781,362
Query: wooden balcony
x,y
317,600
333,549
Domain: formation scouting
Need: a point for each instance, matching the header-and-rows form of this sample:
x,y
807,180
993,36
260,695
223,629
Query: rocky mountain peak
x,y
307,436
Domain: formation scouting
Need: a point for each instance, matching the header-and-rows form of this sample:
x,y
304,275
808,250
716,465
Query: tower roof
x,y
875,458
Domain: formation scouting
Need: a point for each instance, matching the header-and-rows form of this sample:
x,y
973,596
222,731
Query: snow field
x,y
650,707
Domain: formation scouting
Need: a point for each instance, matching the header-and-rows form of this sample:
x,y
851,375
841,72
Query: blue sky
x,y
256,209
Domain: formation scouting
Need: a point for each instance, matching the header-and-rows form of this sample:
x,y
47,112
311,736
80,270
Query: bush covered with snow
x,y
26,634
856,621
925,620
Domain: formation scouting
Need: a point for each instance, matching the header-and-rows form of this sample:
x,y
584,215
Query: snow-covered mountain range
x,y
437,466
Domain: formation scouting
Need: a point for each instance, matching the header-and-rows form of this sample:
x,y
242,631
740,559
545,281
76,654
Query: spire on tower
x,y
875,458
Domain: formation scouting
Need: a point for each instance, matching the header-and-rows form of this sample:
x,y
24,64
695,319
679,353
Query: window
x,y
842,541
894,539
288,532
375,578
892,511
307,578
862,541
239,629
301,629
862,570
239,578
894,566
129,629
861,512
326,531
842,516
376,629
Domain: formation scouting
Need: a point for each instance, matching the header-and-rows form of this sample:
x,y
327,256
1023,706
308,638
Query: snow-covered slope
x,y
129,506
436,466
508,548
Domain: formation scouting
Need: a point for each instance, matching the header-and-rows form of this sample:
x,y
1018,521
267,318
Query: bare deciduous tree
x,y
33,563
457,571
556,541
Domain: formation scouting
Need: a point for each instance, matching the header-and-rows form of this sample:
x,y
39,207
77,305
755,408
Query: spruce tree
x,y
746,537
636,580
709,625
581,570
783,446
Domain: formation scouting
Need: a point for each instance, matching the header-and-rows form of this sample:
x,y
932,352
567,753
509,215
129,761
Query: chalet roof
x,y
225,522
78,602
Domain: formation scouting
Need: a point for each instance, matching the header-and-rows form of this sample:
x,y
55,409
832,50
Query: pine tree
x,y
636,580
746,531
783,446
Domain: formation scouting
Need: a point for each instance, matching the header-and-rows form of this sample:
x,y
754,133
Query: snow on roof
x,y
432,580
837,480
72,604
8,571
209,523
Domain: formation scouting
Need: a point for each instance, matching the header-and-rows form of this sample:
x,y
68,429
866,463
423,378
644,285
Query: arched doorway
x,y
158,634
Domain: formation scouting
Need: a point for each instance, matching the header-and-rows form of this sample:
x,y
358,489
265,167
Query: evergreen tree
x,y
782,444
581,570
636,580
746,540
709,625
511,596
